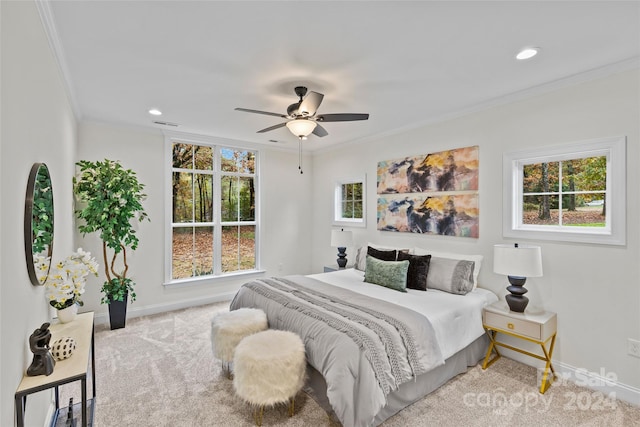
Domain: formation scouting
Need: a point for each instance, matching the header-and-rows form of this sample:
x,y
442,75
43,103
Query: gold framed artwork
x,y
436,193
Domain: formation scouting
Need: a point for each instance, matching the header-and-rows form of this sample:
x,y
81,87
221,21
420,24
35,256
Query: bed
x,y
372,350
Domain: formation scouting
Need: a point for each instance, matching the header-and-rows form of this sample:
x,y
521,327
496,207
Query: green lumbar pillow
x,y
390,274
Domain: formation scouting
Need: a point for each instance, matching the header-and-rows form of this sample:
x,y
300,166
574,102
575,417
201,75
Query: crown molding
x,y
48,22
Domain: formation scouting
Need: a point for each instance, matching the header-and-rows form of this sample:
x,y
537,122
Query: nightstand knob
x,y
510,325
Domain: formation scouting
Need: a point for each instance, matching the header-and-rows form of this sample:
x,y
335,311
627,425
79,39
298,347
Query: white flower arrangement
x,y
66,280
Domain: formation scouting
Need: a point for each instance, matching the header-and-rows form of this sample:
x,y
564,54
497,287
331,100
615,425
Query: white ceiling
x,y
405,63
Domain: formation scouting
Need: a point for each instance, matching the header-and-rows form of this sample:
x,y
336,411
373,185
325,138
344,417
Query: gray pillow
x,y
361,258
390,274
450,275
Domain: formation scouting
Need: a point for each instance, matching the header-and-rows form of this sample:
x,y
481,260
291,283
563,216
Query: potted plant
x,y
65,283
110,200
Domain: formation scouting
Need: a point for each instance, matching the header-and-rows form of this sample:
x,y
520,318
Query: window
x,y
574,192
350,203
213,210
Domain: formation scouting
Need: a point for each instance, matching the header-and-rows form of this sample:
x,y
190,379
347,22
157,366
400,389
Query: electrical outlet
x,y
633,347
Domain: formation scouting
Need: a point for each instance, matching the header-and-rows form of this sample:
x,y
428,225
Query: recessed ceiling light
x,y
155,112
527,53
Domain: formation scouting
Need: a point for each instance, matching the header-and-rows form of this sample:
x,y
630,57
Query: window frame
x,y
614,232
217,144
338,219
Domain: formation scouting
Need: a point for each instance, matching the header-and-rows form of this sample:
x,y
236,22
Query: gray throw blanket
x,y
364,347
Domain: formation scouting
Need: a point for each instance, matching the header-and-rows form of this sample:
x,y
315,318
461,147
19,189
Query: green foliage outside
x,y
110,198
194,170
352,200
576,181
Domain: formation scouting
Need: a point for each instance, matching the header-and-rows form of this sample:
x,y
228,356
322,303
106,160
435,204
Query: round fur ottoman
x,y
228,329
269,368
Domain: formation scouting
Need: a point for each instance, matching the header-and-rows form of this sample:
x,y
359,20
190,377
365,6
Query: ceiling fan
x,y
302,114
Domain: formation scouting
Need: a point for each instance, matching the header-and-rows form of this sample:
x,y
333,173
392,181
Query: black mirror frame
x,y
28,223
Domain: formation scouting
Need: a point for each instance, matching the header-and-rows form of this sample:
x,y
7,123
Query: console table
x,y
66,371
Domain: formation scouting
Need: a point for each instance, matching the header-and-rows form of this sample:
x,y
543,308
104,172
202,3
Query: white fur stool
x,y
229,328
269,368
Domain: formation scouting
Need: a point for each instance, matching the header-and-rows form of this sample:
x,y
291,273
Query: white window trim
x,y
614,233
169,139
337,203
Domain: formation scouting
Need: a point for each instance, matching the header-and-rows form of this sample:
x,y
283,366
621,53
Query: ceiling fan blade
x,y
310,103
342,117
270,128
320,131
246,110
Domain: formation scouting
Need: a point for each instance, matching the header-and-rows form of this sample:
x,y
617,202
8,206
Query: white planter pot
x,y
68,314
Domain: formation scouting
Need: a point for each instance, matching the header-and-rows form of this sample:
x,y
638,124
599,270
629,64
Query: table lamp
x,y
341,239
517,262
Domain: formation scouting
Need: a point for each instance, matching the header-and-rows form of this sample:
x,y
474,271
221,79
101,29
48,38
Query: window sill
x,y
349,223
204,280
577,236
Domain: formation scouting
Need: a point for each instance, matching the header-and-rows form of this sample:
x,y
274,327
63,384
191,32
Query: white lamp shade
x,y
301,127
523,260
341,238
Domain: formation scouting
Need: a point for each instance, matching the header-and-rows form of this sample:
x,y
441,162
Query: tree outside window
x,y
572,192
350,203
568,193
212,235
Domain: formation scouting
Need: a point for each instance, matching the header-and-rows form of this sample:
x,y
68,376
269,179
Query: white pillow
x,y
477,259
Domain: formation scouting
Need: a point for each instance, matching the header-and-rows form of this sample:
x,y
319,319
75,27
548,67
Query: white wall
x,y
594,289
284,207
37,125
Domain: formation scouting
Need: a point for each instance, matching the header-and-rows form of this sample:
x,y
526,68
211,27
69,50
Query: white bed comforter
x,y
457,319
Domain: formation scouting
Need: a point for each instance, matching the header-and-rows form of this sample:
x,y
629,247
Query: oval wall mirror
x,y
38,224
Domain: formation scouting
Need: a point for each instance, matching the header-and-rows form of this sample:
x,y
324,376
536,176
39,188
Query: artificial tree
x,y
110,199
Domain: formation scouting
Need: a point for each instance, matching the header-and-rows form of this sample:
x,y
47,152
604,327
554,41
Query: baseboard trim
x,y
603,381
133,311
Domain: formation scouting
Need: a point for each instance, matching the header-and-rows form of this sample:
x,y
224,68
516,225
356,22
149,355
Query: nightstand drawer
x,y
509,324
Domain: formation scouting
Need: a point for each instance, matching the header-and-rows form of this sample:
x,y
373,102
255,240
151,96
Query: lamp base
x,y
342,257
516,300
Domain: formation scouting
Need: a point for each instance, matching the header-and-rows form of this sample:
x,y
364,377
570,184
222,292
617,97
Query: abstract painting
x,y
435,193
452,215
451,170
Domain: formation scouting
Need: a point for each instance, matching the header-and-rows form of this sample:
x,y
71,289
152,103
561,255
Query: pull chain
x,y
300,155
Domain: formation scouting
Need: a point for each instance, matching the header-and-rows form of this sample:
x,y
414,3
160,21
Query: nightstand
x,y
330,268
539,328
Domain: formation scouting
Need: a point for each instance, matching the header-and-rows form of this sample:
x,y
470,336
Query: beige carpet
x,y
160,371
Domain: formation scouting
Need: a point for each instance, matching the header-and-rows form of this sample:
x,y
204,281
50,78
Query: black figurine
x,y
43,361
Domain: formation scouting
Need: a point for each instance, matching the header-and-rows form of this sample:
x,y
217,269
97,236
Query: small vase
x,y
68,314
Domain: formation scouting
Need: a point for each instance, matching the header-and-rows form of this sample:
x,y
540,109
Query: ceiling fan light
x,y
301,127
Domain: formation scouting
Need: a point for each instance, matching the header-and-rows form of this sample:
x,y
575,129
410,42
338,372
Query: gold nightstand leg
x,y
492,347
546,380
